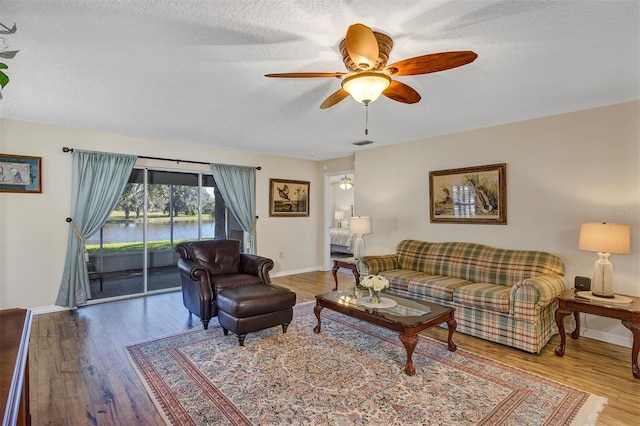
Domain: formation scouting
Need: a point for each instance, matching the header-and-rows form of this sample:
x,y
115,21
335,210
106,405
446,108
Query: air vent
x,y
361,143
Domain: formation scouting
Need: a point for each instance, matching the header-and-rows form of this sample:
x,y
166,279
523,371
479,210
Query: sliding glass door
x,y
134,253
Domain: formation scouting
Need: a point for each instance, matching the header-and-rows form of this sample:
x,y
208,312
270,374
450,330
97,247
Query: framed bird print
x,y
469,195
288,198
20,173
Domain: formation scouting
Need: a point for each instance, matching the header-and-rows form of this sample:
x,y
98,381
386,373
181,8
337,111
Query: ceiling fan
x,y
365,54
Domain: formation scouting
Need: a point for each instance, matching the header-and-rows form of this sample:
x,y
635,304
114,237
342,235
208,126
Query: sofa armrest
x,y
256,265
531,295
192,269
194,274
197,293
372,265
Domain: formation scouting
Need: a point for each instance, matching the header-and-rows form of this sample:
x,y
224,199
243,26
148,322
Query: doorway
x,y
339,207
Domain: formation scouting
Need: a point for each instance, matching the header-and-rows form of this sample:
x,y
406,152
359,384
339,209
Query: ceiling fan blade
x,y
308,75
362,46
334,99
431,63
402,93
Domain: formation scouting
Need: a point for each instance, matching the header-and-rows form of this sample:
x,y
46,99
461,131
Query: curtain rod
x,y
67,149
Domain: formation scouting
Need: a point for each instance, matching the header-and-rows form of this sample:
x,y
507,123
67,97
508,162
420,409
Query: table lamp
x,y
359,226
338,216
604,238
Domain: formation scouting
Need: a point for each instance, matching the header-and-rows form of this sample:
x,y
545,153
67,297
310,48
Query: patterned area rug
x,y
350,374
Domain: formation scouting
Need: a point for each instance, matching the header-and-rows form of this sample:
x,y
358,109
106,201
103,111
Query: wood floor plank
x,y
47,388
80,374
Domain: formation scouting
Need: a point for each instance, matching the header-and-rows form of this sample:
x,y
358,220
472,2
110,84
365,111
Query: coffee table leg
x,y
409,343
635,330
316,310
451,325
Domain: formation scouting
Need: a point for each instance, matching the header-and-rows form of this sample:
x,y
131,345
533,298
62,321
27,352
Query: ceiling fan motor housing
x,y
385,44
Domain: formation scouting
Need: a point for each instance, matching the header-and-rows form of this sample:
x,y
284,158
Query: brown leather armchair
x,y
206,267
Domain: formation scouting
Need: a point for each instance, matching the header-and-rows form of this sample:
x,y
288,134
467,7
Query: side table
x,y
347,263
628,313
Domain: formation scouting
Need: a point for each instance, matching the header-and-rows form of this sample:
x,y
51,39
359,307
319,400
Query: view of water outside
x,y
131,231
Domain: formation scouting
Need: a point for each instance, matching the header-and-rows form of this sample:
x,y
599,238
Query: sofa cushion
x,y
484,296
220,258
436,286
222,281
399,278
476,262
243,302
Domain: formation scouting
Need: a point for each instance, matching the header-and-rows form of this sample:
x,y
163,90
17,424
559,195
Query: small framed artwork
x,y
19,173
469,195
288,198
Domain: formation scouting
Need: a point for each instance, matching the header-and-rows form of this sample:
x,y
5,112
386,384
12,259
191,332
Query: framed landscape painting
x,y
288,198
19,173
469,195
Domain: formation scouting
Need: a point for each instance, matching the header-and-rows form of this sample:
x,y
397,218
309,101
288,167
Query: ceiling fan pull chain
x,y
366,118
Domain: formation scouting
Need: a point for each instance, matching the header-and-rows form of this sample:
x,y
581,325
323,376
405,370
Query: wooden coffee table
x,y
408,317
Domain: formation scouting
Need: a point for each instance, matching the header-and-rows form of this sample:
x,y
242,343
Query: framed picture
x,y
288,198
19,173
469,195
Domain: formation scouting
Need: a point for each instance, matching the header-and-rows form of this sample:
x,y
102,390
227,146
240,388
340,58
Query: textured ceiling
x,y
193,71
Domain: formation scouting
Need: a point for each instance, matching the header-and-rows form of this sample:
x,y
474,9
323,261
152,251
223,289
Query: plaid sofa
x,y
505,296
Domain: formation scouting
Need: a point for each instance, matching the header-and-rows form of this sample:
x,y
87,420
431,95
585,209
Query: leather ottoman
x,y
251,308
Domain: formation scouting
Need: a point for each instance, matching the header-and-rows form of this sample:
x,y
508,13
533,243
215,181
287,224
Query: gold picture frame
x,y
288,198
20,173
469,195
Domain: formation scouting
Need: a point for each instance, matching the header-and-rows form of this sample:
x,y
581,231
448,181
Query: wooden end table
x,y
347,263
628,313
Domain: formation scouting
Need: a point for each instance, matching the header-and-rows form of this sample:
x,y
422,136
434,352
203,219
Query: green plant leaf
x,y
3,66
4,79
8,54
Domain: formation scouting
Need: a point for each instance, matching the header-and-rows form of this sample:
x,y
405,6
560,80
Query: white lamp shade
x,y
339,215
360,225
605,238
366,86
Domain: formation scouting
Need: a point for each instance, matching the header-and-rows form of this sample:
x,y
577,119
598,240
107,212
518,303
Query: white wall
x,y
33,231
561,171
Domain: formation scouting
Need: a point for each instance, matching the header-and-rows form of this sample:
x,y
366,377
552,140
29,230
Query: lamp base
x,y
602,283
358,250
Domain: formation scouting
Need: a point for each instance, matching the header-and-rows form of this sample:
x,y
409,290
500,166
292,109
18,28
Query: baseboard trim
x,y
48,309
294,271
614,339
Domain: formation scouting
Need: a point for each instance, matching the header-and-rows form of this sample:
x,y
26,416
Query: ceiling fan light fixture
x,y
366,86
346,183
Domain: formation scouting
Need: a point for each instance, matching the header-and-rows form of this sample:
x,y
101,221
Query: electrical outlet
x,y
281,255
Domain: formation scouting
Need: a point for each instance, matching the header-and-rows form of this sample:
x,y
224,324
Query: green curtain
x,y
237,184
98,180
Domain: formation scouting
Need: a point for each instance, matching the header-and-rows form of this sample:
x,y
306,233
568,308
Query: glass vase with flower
x,y
376,284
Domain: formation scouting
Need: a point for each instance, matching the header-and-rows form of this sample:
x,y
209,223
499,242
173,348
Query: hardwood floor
x,y
80,375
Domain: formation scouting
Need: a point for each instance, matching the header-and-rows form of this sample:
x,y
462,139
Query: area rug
x,y
350,374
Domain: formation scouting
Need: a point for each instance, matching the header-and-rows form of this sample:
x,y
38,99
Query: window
x,y
134,252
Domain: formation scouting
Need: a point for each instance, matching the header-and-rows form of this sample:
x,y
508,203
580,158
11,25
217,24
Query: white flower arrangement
x,y
376,282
